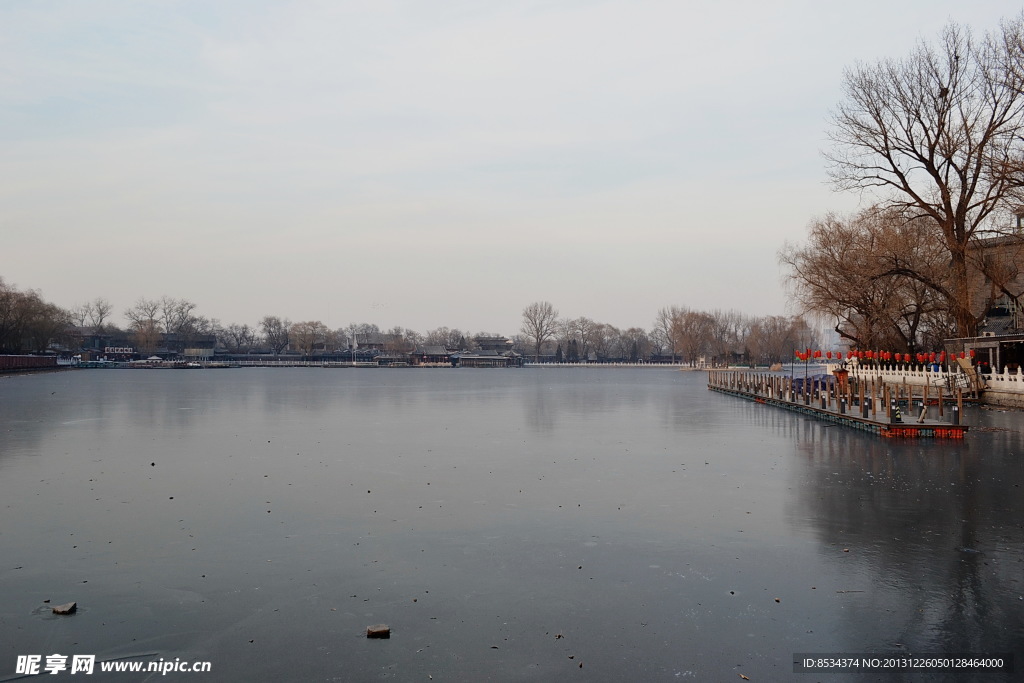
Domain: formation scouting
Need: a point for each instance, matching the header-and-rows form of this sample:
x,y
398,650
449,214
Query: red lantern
x,y
972,353
962,354
942,357
931,357
817,354
828,354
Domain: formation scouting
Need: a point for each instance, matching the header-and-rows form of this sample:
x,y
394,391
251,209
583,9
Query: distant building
x,y
430,355
499,344
487,359
997,292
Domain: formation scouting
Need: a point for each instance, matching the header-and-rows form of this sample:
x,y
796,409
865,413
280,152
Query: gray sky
x,y
427,163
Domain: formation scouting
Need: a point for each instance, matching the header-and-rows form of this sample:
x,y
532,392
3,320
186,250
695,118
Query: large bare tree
x,y
938,133
540,323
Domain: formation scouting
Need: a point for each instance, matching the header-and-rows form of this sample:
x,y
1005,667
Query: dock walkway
x,y
859,405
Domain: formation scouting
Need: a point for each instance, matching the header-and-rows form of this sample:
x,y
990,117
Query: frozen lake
x,y
508,525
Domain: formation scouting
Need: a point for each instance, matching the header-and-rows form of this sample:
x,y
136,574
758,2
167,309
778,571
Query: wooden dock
x,y
882,410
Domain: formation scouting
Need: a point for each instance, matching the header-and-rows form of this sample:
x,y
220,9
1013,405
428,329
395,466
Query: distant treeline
x,y
30,324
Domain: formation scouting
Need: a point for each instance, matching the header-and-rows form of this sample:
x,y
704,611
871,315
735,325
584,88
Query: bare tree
x,y
275,332
665,329
634,345
146,335
144,325
878,275
238,337
448,338
694,329
604,340
307,336
97,313
581,331
540,323
941,134
401,340
772,339
45,323
27,321
142,311
727,336
176,315
173,318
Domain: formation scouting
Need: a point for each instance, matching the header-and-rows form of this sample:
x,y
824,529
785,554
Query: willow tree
x,y
940,134
880,276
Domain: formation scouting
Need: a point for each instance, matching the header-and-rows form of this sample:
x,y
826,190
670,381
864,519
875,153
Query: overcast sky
x,y
427,163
